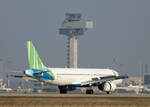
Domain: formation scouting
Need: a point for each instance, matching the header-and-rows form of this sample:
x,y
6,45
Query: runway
x,y
73,100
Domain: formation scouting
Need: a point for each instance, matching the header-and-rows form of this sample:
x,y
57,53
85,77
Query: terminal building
x,y
147,79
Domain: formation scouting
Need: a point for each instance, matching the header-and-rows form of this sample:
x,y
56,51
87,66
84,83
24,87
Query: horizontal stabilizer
x,y
40,72
18,76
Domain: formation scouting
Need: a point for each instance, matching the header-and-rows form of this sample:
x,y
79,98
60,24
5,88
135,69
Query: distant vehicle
x,y
68,79
131,89
4,89
145,90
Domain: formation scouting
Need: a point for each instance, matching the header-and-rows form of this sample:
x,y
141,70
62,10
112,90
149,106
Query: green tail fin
x,y
33,57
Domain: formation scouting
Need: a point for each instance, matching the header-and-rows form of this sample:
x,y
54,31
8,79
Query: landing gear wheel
x,y
62,89
89,91
108,92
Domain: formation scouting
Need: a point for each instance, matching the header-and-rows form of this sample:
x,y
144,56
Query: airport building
x,y
73,26
147,79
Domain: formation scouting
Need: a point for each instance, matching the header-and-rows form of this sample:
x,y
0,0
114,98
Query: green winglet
x,y
33,57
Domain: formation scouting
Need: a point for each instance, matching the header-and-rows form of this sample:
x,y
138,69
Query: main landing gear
x,y
62,89
89,91
108,92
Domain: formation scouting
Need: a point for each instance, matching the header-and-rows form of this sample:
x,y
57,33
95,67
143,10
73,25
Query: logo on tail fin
x,y
34,60
33,57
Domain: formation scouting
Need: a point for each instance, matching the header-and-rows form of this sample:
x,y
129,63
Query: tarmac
x,y
73,100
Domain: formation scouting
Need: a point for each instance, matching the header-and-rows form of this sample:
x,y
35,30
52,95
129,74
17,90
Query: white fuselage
x,y
68,76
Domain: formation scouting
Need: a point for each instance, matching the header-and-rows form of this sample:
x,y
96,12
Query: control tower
x,y
73,26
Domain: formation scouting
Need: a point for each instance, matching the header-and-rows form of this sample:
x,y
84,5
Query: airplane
x,y
69,79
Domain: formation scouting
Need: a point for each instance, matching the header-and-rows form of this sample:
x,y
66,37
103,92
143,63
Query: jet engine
x,y
107,87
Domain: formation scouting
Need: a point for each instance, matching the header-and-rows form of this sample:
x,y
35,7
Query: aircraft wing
x,y
99,80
